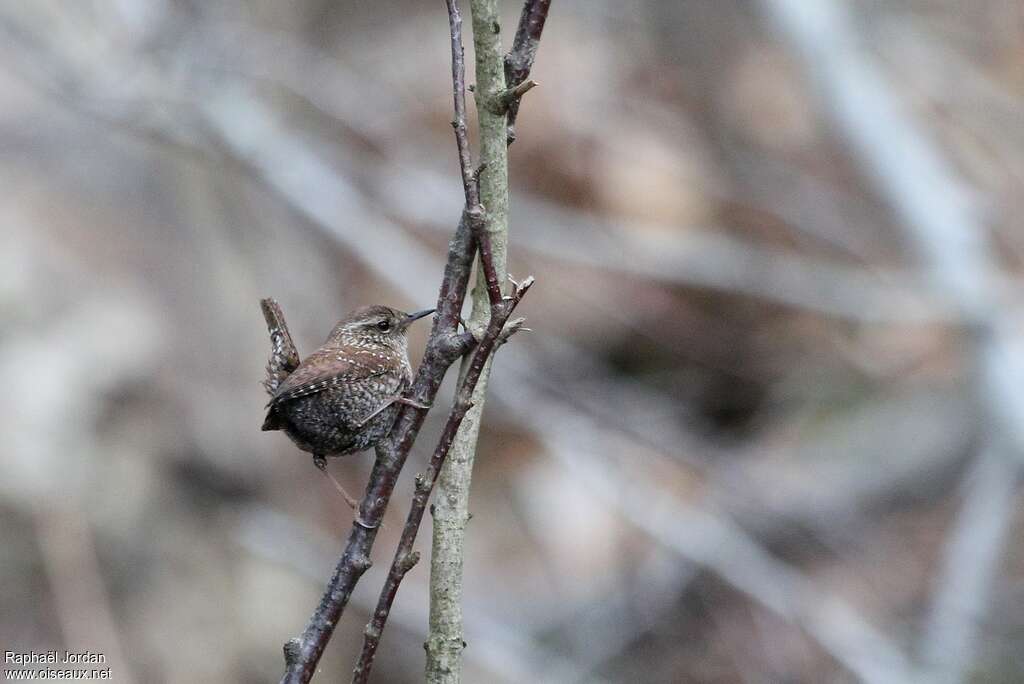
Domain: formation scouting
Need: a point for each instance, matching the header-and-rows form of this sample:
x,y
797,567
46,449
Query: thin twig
x,y
514,93
470,179
519,60
490,272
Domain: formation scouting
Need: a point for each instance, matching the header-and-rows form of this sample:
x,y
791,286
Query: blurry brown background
x,y
752,437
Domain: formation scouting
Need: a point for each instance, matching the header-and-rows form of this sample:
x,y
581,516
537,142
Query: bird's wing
x,y
327,368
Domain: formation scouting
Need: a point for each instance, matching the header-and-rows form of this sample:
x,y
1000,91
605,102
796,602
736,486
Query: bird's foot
x,y
397,399
411,402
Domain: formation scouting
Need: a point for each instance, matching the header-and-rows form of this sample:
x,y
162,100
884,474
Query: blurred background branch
x,y
944,225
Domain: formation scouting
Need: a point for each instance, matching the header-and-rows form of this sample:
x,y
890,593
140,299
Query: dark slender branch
x,y
444,346
405,558
470,180
519,60
487,265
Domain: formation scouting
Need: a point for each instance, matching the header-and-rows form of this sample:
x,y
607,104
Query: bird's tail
x,y
284,358
273,421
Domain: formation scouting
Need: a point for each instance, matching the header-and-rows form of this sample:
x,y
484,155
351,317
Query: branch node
x,y
453,345
476,174
365,525
515,93
407,561
510,329
521,288
292,648
361,564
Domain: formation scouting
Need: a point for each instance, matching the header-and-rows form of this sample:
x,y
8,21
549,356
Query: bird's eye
x,y
384,326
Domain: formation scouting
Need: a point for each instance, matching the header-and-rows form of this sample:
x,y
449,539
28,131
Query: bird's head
x,y
375,325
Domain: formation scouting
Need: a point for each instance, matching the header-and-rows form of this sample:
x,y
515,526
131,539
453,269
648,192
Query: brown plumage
x,y
343,397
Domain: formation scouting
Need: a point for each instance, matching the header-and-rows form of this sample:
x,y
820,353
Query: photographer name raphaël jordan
x,y
31,657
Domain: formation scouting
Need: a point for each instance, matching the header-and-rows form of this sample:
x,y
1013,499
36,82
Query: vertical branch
x,y
451,510
495,100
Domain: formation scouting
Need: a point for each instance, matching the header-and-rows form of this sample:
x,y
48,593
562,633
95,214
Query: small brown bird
x,y
343,397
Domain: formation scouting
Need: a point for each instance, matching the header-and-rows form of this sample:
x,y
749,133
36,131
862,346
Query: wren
x,y
342,398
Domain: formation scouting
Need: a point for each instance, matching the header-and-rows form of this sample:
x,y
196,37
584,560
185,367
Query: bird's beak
x,y
418,315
